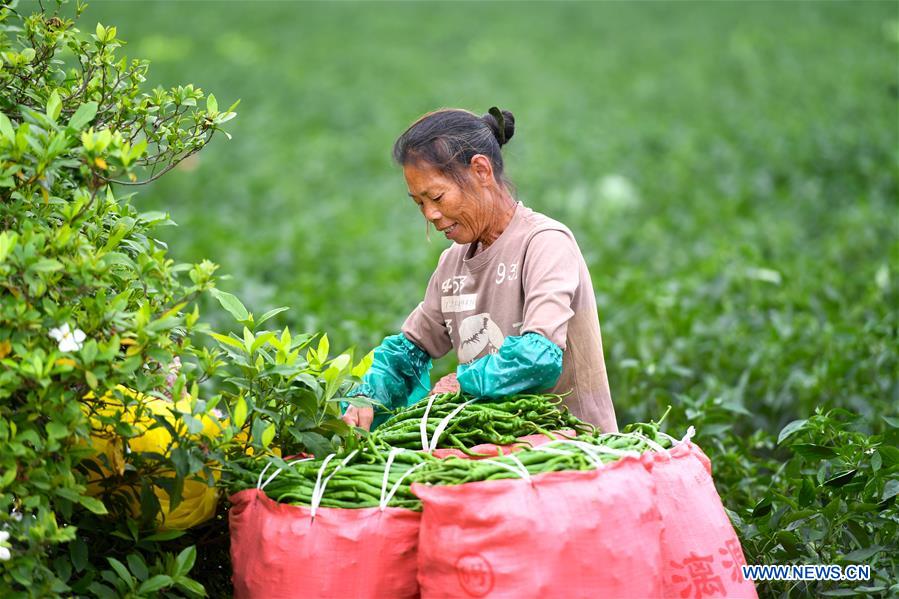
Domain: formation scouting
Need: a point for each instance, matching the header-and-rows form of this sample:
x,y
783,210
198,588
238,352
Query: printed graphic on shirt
x,y
477,333
453,284
458,303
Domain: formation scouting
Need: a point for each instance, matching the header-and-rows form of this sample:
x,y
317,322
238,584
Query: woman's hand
x,y
360,417
448,384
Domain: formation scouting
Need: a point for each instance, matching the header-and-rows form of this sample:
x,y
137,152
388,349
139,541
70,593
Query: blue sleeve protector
x,y
399,375
529,361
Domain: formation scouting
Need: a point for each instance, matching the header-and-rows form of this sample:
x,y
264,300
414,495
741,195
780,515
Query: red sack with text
x,y
559,534
281,551
701,554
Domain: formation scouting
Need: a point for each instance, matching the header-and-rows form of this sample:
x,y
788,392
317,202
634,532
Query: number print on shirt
x,y
449,327
506,274
453,284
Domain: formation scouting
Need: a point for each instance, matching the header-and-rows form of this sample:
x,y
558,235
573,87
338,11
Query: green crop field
x,y
730,171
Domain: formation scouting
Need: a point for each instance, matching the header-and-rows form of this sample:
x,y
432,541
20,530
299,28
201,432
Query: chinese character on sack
x,y
732,550
699,579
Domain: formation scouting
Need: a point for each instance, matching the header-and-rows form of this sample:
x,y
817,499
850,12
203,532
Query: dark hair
x,y
448,138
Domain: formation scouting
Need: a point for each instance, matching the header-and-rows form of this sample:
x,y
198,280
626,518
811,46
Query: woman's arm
x,y
550,278
399,374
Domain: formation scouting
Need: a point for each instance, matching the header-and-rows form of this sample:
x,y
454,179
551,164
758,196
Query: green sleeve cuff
x,y
526,362
399,374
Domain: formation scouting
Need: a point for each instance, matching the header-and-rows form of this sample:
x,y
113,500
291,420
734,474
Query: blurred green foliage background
x,y
729,170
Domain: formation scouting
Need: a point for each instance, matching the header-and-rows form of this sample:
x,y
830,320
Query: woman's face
x,y
458,215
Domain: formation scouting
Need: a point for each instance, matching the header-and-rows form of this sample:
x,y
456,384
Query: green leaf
x,y
271,313
122,571
891,489
762,508
889,454
6,128
68,493
166,535
89,351
893,422
91,379
212,105
789,541
360,401
812,451
806,492
78,553
793,520
192,586
56,430
248,339
102,591
151,585
239,417
8,240
791,428
93,504
136,152
84,115
7,477
137,566
54,106
831,509
261,340
231,304
317,444
362,367
341,362
268,435
227,340
860,555
841,478
323,348
46,265
185,561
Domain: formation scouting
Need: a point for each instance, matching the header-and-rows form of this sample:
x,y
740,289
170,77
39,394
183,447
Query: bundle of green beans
x,y
499,422
583,454
354,480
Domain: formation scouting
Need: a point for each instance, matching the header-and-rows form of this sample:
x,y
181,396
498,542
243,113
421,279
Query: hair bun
x,y
496,119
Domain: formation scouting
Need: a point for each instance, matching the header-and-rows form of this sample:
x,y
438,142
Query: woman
x,y
512,295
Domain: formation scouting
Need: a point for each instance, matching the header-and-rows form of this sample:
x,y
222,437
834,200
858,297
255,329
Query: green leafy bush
x,y
92,311
277,394
103,428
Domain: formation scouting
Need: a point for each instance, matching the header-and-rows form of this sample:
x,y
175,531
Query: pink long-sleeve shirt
x,y
533,278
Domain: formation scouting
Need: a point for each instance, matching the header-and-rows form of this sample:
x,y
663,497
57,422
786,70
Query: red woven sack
x,y
561,534
701,554
280,551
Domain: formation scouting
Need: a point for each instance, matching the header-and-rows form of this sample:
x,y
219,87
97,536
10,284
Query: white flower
x,y
68,340
217,413
4,546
